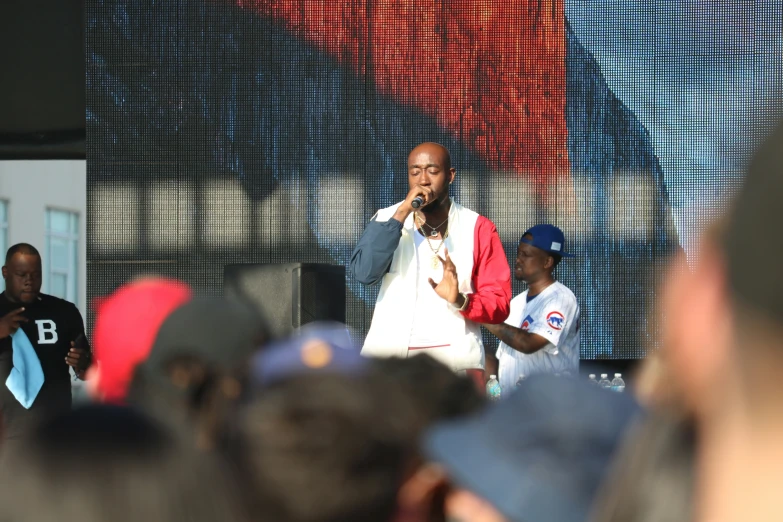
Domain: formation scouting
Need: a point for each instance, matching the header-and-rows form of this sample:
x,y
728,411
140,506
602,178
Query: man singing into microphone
x,y
442,267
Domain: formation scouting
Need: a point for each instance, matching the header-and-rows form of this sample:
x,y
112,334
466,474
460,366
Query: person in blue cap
x,y
541,334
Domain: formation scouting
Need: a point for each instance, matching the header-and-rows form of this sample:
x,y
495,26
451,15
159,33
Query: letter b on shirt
x,y
47,331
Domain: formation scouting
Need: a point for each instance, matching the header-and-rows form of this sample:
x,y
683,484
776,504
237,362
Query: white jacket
x,y
393,317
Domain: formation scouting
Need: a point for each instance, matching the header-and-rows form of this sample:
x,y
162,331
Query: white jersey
x,y
554,315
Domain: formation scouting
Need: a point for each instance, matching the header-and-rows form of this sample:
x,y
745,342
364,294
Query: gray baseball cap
x,y
540,454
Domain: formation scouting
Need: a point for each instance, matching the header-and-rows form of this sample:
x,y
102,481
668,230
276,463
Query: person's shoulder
x,y
385,214
462,208
6,305
520,297
562,292
58,302
484,224
465,211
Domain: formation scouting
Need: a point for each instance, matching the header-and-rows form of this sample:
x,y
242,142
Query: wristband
x,y
464,303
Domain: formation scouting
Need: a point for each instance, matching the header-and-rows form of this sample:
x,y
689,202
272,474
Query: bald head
x,y
21,248
436,151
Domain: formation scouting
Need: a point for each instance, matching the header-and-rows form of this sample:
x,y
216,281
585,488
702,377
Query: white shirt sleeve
x,y
553,317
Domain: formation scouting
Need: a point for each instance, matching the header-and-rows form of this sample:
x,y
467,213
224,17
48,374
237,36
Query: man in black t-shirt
x,y
56,331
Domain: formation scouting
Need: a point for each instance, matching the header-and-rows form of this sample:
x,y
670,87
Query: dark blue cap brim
x,y
534,492
539,454
548,251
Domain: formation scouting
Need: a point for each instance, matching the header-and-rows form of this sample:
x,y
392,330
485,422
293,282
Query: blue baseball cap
x,y
541,454
548,238
322,347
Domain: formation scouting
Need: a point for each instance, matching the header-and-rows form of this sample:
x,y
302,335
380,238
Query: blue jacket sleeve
x,y
373,254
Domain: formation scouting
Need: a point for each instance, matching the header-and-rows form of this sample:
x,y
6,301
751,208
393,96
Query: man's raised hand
x,y
10,322
448,288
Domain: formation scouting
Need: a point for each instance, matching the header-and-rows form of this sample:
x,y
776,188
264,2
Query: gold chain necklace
x,y
433,230
435,259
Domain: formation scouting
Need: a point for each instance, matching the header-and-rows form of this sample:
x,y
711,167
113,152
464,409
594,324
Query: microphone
x,y
417,202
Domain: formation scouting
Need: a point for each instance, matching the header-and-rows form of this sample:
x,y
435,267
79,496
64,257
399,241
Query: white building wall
x,y
30,187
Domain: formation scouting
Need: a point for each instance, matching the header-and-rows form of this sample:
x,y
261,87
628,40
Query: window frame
x,y
73,240
4,203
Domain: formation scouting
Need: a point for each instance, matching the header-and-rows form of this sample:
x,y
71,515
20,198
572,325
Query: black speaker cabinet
x,y
291,294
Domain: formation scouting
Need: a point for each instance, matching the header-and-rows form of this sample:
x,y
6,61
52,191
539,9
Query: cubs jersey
x,y
554,315
52,323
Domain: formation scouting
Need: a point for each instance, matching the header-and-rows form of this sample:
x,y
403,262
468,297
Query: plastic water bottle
x,y
493,388
591,377
618,384
519,380
604,382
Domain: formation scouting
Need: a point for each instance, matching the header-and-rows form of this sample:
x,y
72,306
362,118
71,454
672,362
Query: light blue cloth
x,y
26,377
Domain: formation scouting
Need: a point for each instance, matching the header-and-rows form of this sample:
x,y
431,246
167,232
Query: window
x,y
61,265
3,235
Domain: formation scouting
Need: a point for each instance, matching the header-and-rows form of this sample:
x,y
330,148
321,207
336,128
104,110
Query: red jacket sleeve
x,y
491,276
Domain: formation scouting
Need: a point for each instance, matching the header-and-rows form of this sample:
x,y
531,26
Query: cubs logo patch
x,y
526,323
555,320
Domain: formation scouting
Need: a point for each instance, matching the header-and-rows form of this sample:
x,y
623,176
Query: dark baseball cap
x,y
320,347
541,454
218,333
548,238
127,323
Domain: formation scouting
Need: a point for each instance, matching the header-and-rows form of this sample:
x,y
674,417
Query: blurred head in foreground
x,y
331,436
196,367
103,463
537,456
724,344
438,393
126,325
652,476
